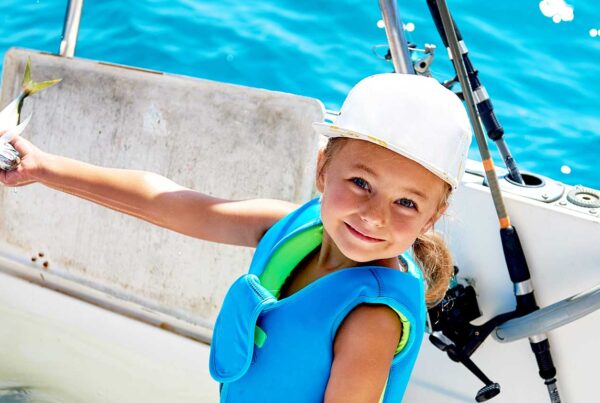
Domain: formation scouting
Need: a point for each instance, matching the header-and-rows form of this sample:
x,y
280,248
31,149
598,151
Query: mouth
x,y
360,235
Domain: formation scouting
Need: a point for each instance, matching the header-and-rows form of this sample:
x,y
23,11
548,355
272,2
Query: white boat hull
x,y
67,351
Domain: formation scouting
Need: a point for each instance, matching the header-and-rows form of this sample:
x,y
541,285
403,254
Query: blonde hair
x,y
430,250
435,259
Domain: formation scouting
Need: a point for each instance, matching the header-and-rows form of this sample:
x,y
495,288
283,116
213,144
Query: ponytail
x,y
434,258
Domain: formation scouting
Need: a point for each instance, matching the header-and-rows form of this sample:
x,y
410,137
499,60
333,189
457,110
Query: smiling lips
x,y
360,235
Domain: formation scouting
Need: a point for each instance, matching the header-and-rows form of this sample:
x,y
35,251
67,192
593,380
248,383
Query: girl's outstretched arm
x,y
363,351
150,197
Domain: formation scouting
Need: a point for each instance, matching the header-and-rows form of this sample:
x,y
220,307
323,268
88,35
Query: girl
x,y
329,312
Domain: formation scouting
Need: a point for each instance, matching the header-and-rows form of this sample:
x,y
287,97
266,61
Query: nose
x,y
373,212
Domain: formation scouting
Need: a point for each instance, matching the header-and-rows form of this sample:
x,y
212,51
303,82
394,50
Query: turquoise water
x,y
543,77
24,395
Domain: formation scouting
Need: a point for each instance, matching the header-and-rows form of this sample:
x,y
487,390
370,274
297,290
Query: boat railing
x,y
396,39
551,317
389,11
71,28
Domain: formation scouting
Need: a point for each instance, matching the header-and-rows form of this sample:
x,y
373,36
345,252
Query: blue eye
x,y
361,183
407,203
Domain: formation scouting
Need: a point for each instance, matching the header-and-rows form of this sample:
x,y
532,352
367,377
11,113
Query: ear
x,y
320,174
433,219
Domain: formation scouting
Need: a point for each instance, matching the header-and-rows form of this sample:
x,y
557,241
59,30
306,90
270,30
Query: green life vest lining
x,y
286,258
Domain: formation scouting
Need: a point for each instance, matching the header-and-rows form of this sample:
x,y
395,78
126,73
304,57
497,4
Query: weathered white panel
x,y
221,139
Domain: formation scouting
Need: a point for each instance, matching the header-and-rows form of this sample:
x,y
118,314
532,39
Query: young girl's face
x,y
375,202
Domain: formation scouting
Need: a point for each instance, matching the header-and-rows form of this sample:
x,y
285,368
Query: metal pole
x,y
71,28
396,39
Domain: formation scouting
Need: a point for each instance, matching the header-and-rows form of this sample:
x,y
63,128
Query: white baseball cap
x,y
412,115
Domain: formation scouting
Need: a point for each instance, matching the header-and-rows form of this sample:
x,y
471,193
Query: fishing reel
x,y
452,332
421,58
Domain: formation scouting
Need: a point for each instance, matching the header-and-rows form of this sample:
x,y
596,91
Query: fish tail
x,y
31,87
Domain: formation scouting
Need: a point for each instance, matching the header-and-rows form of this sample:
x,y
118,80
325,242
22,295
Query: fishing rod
x,y
484,105
513,251
450,329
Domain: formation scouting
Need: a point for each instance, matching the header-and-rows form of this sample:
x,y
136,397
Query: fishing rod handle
x,y
518,270
546,367
437,20
494,130
484,104
515,258
543,357
482,100
547,370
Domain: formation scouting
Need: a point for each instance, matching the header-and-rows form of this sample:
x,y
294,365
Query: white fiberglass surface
x,y
561,247
55,349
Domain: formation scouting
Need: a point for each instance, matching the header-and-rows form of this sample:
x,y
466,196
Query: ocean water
x,y
543,75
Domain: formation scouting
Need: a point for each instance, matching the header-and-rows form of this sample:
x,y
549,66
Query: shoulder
x,y
370,321
265,213
363,351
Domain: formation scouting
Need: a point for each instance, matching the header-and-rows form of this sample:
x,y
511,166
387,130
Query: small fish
x,y
10,119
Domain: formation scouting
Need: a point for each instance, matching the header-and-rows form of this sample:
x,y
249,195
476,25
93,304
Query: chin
x,y
364,253
359,253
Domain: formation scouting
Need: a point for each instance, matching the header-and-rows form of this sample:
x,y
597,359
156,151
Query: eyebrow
x,y
365,168
418,193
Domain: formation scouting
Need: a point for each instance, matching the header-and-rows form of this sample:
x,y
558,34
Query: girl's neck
x,y
324,260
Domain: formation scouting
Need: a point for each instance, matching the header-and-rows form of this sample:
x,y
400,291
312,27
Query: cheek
x,y
338,197
336,202
406,229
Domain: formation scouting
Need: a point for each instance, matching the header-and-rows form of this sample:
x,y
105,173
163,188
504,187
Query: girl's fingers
x,y
4,179
15,142
23,146
13,179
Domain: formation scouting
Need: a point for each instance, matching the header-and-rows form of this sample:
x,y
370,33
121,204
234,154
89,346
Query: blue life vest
x,y
269,350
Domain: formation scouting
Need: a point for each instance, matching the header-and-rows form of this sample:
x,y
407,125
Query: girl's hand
x,y
30,166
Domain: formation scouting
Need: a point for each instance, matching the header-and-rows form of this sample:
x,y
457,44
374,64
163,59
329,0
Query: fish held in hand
x,y
10,119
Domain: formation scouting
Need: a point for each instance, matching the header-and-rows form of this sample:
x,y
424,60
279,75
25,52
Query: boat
x,y
99,307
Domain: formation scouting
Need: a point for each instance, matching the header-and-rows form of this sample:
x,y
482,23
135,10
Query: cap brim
x,y
331,131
